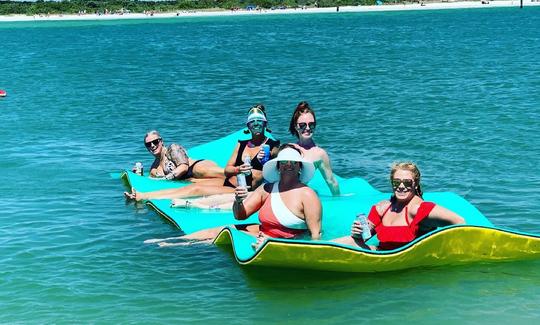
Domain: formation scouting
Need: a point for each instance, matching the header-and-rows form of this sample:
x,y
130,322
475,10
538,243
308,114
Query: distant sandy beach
x,y
208,13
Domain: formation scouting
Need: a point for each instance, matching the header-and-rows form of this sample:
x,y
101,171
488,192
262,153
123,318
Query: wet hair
x,y
413,168
302,108
149,133
258,108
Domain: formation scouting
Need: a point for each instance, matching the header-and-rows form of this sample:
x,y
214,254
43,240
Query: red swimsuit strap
x,y
388,208
407,215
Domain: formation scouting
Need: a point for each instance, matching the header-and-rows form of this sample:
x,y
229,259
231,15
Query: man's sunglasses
x,y
302,126
408,183
154,142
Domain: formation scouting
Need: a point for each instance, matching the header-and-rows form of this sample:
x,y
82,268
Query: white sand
x,y
192,13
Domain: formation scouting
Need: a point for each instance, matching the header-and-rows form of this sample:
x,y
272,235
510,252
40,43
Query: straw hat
x,y
271,173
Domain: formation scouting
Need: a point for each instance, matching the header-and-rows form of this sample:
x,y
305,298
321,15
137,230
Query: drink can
x,y
366,232
139,168
266,149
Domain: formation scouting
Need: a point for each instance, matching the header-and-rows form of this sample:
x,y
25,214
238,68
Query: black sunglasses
x,y
154,142
302,126
408,183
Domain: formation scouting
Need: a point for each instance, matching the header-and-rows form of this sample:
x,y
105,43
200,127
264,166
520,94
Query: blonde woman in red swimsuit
x,y
405,216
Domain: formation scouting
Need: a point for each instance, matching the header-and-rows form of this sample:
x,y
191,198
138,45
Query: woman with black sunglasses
x,y
172,162
405,216
302,126
252,148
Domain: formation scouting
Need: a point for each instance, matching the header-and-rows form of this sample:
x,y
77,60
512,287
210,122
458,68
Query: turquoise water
x,y
456,91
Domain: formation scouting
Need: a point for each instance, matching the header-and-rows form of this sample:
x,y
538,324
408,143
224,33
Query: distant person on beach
x,y
287,207
405,216
302,126
256,123
173,163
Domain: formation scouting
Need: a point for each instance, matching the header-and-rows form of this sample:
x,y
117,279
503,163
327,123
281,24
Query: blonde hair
x,y
413,168
149,133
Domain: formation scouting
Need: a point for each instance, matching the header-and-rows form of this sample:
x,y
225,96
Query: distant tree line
x,y
112,6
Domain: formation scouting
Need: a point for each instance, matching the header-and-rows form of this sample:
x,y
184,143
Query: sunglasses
x,y
408,183
288,162
302,126
259,122
154,142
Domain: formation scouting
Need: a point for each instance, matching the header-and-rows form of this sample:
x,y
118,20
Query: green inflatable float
x,y
478,240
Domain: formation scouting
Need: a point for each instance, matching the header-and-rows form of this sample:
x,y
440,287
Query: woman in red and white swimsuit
x,y
405,216
287,207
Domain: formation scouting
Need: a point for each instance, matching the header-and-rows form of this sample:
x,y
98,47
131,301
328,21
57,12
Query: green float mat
x,y
451,245
479,240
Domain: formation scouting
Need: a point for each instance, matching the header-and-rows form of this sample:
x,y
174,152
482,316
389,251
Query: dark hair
x,y
258,107
262,109
302,108
291,146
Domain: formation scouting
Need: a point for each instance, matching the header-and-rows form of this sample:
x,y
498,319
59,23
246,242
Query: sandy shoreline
x,y
193,13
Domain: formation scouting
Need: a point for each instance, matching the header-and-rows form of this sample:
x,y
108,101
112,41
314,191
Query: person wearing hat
x,y
287,207
252,148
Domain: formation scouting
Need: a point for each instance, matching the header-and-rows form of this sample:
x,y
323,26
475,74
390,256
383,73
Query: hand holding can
x,y
360,227
265,153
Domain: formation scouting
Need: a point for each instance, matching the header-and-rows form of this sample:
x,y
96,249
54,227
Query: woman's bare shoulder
x,y
415,204
382,206
308,193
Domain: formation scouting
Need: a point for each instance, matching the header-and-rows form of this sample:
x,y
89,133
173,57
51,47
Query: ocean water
x,y
455,91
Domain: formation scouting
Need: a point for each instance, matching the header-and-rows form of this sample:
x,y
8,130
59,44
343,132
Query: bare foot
x,y
132,195
181,203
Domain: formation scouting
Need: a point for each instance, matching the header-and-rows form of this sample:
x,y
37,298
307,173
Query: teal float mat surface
x,y
338,212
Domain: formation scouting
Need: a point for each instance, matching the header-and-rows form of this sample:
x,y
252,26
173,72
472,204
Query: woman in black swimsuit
x,y
256,123
172,162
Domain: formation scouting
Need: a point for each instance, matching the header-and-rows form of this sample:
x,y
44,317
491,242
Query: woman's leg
x,y
202,235
218,201
183,192
351,241
205,234
208,169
